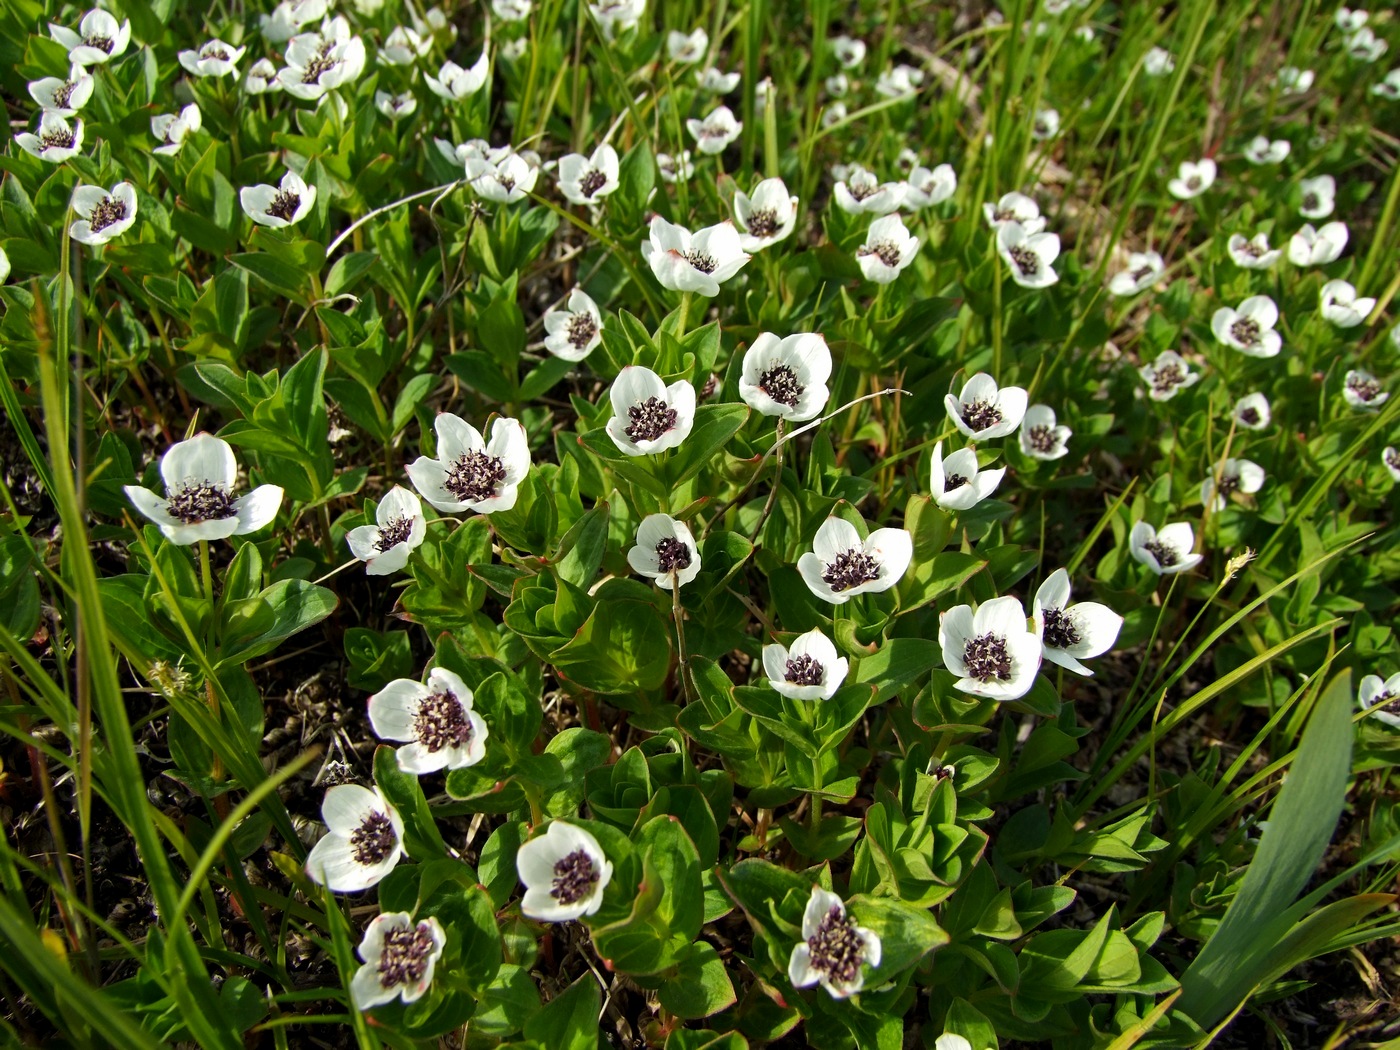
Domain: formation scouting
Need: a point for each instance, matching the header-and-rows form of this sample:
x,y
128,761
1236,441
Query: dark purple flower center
x,y
1249,416
1026,260
953,481
574,877
582,329
592,182
474,476
102,43
394,532
650,419
1165,553
781,384
1060,632
1167,378
981,415
107,211
672,555
850,569
702,261
987,658
442,722
1366,388
1041,438
200,501
762,223
404,959
284,205
56,138
803,670
837,950
886,251
373,840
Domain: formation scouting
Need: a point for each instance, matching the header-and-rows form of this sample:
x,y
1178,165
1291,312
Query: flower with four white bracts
x,y
1167,376
199,504
957,483
687,49
403,47
399,957
786,377
1250,328
1014,207
765,218
1364,45
1360,389
862,193
693,262
1309,247
511,10
363,840
1045,125
810,670
171,129
899,81
586,180
1340,304
1234,475
56,141
849,51
983,411
833,950
102,214
100,38
214,59
665,552
1295,81
1144,269
1317,197
992,651
60,96
470,473
889,247
1376,694
1349,21
1390,456
1164,551
1192,179
1041,436
455,83
926,187
435,722
716,131
289,16
617,15
1252,253
1252,412
278,206
716,81
503,176
1030,256
1071,633
649,416
395,107
385,546
322,61
565,872
1262,151
4,266
1388,88
841,565
573,332
675,169
1158,62
261,78
838,85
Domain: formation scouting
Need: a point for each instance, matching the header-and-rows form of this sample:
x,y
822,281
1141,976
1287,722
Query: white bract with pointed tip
x,y
1192,179
322,61
687,48
1341,305
435,721
573,332
834,114
860,192
693,262
1158,62
786,377
385,546
675,169
403,46
1391,458
1263,151
617,15
399,957
1041,436
834,951
1164,551
849,51
565,872
1144,269
1375,694
1317,197
214,59
511,10
1309,247
957,483
503,176
1389,88
1252,412
1071,633
1045,125
1252,253
1014,207
982,410
199,504
649,416
1360,389
64,97
1364,46
586,180
838,85
1295,81
810,670
665,552
1349,21
469,472
926,187
278,206
363,840
100,38
841,565
261,78
767,217
1167,376
716,81
1030,256
899,81
4,266
455,83
1235,475
395,107
716,131
889,247
1250,327
171,129
56,140
289,16
992,651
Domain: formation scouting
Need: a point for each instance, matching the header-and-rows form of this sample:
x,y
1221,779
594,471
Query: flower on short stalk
x,y
100,38
1376,694
992,651
289,16
675,169
838,85
278,206
1166,551
834,950
261,78
1071,633
765,218
862,193
1235,475
565,872
899,81
1041,436
171,129
214,59
841,565
60,96
617,15
1360,389
1144,269
1252,412
1014,207
385,546
926,187
469,472
199,504
1391,458
511,10
1309,247
693,262
586,180
786,377
1317,197
834,114
363,840
957,483
889,247
687,48
1250,328
810,670
1167,376
1159,63
395,107
1349,21
435,722
1262,151
1045,125
102,214
1029,255
1295,81
983,411
455,83
573,332
1252,253
1389,88
1341,305
848,51
716,131
503,176
403,47
665,551
1364,46
649,416
56,141
716,81
322,61
399,957
1192,179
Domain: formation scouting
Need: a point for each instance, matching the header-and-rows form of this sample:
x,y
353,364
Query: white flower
x,y
861,192
1340,305
504,176
833,114
1318,197
1030,255
1014,207
460,154
1192,179
1389,88
810,670
455,83
1364,45
4,266
1046,124
63,97
1166,551
1252,412
693,262
56,141
363,840
687,49
926,187
470,473
278,206
716,131
322,61
384,548
841,565
214,59
171,129
289,16
786,377
1071,633
399,958
1084,33
1349,21
957,483
102,214
765,218
261,78
586,180
99,38
403,46
675,169
1261,151
649,416
513,50
1041,436
951,1041
849,51
511,10
1376,694
436,722
198,504
1360,389
833,949
1144,268
572,333
899,81
889,247
983,411
1390,457
717,82
1310,247
434,21
837,85
617,15
1252,254
1159,63
1249,329
1236,475
991,651
1295,81
1167,375
395,107
665,551
565,873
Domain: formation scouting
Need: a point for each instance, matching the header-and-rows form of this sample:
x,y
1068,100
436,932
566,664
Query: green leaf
x,y
570,1020
701,988
623,647
421,836
259,625
714,426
